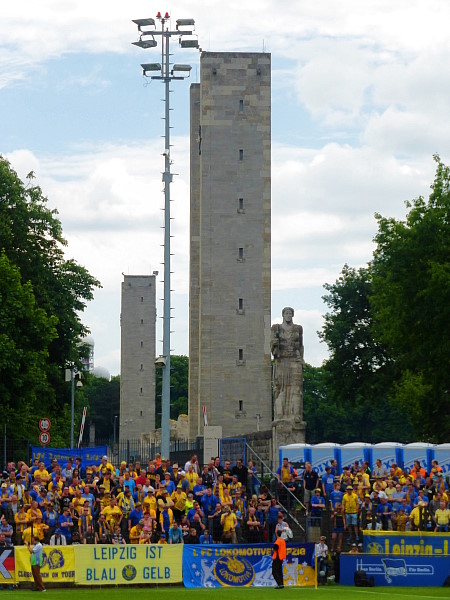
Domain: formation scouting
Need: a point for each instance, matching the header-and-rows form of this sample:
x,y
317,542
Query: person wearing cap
x,y
105,466
169,484
418,517
368,514
162,538
189,503
58,539
317,508
350,504
135,515
321,553
135,532
150,499
166,517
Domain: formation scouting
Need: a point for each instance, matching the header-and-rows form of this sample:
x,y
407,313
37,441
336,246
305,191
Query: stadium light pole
x,y
165,72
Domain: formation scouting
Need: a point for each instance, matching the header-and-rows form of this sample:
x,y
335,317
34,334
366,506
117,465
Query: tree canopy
x,y
32,241
389,329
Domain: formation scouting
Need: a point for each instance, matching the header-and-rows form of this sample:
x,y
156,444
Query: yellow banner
x,y
123,564
59,564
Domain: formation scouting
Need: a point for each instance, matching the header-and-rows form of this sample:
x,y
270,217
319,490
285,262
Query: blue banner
x,y
89,456
406,543
418,571
241,565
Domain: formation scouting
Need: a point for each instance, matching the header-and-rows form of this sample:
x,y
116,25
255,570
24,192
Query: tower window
x,y
142,321
241,405
241,154
241,106
241,303
142,344
241,354
240,207
241,253
142,367
142,298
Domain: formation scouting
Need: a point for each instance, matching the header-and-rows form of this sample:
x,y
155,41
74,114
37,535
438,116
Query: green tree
x,y
25,335
360,372
179,377
103,399
411,305
31,237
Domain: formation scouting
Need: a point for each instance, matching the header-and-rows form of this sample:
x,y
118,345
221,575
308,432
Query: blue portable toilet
x,y
420,451
442,455
349,453
388,453
322,455
295,453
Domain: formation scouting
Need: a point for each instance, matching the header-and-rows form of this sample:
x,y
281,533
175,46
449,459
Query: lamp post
x,y
165,72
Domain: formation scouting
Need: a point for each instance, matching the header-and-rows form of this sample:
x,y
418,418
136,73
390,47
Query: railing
x,y
276,485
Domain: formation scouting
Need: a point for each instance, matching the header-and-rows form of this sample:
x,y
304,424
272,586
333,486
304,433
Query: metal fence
x,y
139,450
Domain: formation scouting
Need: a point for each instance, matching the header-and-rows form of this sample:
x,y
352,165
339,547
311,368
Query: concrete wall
x,y
137,369
230,243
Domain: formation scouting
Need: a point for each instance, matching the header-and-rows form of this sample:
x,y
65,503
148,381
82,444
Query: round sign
x,y
44,424
44,438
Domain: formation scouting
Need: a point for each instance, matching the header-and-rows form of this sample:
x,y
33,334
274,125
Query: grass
x,y
169,593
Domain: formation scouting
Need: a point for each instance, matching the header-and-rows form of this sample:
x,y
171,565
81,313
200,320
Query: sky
x,y
360,103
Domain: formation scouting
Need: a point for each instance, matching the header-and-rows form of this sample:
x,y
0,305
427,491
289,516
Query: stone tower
x,y
229,330
137,364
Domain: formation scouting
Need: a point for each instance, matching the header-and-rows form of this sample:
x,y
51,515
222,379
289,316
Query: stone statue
x,y
286,344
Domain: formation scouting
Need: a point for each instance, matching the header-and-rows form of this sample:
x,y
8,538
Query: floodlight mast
x,y
147,27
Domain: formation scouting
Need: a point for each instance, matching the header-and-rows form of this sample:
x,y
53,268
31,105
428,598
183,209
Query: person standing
x,y
278,555
36,559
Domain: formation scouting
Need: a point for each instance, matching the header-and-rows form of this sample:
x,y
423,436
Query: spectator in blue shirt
x,y
175,534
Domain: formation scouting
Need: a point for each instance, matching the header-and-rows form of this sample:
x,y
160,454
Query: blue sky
x,y
359,105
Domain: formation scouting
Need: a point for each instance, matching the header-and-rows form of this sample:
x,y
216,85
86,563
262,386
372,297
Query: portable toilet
x,y
421,451
296,453
388,453
322,455
355,451
441,453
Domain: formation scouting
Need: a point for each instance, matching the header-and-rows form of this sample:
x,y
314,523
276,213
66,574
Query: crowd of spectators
x,y
169,503
382,499
158,502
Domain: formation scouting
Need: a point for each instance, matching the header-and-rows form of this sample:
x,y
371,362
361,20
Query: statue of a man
x,y
286,344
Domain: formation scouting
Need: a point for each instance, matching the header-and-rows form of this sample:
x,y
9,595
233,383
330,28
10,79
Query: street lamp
x,y
166,74
73,373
